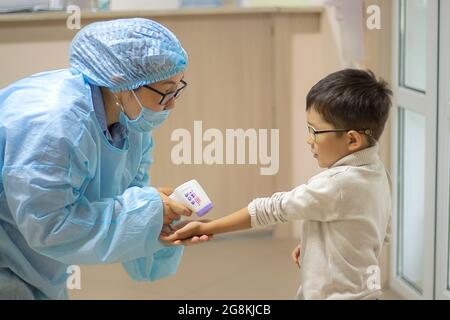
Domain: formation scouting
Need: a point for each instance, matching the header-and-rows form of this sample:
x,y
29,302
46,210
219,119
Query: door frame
x,y
442,290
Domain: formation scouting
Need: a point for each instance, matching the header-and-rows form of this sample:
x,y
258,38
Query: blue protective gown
x,y
67,196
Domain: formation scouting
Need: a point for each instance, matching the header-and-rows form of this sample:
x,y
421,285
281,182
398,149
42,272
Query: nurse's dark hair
x,y
352,99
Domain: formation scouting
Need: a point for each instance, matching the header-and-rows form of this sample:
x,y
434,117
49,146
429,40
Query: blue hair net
x,y
125,54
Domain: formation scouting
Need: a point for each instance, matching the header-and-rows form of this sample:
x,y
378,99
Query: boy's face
x,y
328,148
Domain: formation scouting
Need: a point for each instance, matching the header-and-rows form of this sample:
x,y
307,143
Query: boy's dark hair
x,y
352,99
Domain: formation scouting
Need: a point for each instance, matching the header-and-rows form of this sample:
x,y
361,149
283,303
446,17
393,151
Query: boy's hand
x,y
296,255
186,232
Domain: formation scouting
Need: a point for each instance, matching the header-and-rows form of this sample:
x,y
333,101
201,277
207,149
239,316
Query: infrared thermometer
x,y
192,195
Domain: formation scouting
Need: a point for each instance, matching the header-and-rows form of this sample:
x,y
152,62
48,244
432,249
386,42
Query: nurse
x,y
75,148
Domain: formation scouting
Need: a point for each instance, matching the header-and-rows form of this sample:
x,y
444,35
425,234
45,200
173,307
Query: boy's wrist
x,y
206,228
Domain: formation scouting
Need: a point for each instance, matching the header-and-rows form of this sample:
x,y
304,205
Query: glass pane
x,y
413,48
411,197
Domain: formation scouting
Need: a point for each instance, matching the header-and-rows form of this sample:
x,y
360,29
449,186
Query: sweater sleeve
x,y
317,201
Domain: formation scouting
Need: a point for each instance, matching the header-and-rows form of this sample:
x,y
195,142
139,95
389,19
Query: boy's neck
x,y
363,147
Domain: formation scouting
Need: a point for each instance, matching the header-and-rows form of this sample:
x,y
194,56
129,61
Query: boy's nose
x,y
309,140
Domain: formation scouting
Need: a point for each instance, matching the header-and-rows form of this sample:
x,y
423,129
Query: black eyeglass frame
x,y
367,132
167,97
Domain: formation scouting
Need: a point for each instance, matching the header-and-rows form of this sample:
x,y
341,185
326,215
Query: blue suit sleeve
x,y
44,182
164,262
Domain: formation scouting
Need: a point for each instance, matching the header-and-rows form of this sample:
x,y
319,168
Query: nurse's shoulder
x,y
48,111
45,94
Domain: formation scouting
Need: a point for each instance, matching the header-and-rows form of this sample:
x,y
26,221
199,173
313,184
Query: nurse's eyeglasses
x,y
313,133
167,97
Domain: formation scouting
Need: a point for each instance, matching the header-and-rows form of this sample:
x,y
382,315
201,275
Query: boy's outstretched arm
x,y
238,220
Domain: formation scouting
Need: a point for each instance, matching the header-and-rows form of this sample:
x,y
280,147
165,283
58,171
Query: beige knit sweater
x,y
345,213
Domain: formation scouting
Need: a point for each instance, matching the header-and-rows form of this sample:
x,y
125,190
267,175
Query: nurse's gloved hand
x,y
169,237
173,210
166,190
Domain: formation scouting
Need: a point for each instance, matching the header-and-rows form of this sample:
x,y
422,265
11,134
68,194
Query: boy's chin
x,y
321,164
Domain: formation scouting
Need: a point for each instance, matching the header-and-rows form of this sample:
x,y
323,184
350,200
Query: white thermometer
x,y
192,195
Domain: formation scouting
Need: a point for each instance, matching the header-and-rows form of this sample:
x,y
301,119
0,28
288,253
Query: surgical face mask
x,y
147,119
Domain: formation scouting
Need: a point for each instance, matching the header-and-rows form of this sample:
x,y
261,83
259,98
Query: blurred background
x,y
252,62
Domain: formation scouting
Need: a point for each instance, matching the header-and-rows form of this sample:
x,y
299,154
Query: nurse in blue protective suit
x,y
75,148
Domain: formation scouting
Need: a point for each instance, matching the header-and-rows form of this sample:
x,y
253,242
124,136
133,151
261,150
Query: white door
x,y
414,147
443,177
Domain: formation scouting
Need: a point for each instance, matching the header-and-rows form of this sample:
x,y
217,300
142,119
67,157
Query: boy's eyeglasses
x,y
313,133
167,97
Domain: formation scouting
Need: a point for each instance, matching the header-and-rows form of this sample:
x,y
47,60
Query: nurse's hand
x,y
168,232
173,210
166,190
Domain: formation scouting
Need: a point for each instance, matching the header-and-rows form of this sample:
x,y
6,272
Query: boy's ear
x,y
355,140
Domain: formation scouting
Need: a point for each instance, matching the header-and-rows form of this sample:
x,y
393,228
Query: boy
x,y
346,209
